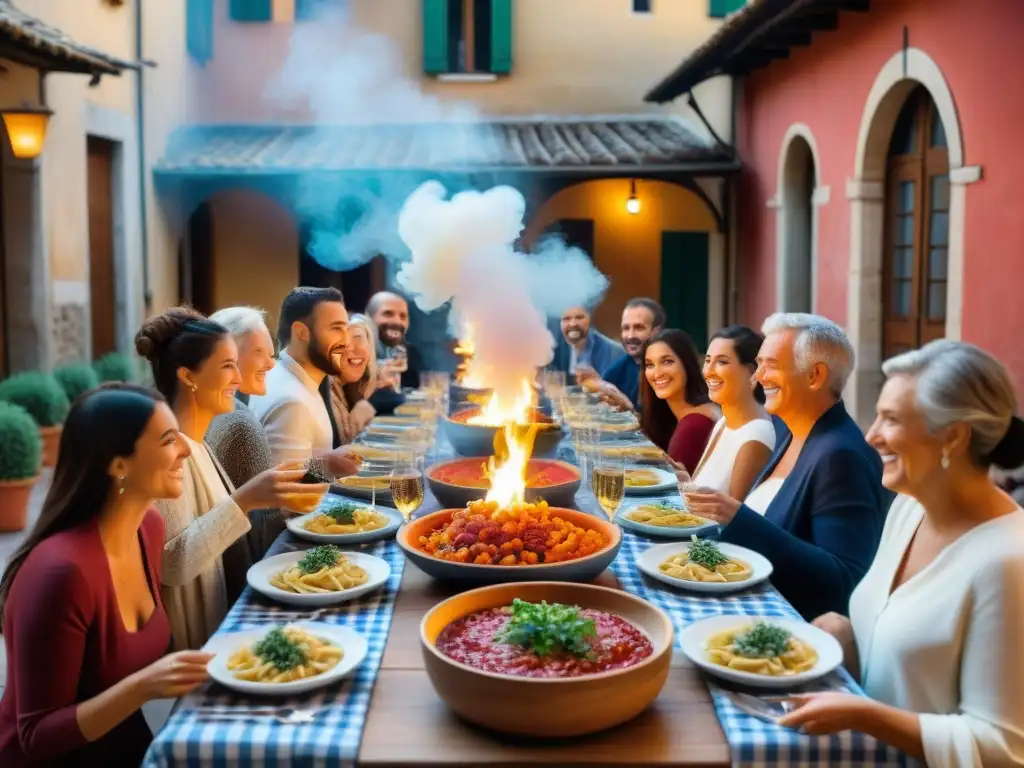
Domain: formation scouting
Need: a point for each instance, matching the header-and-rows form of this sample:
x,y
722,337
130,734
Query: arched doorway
x,y
916,246
796,257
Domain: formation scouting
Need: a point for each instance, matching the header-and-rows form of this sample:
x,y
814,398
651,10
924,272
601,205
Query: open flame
x,y
497,412
465,346
513,446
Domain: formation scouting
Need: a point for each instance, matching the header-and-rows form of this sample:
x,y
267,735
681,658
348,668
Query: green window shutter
x,y
306,9
721,8
435,36
252,10
501,36
199,30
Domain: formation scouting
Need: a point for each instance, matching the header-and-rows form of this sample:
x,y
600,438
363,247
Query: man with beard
x,y
312,332
390,313
583,347
620,384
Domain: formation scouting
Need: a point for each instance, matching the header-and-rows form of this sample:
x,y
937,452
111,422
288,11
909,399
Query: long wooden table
x,y
409,725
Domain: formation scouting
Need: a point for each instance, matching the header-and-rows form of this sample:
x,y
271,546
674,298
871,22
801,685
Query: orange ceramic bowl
x,y
549,707
583,569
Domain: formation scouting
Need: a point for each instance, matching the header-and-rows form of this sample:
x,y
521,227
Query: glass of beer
x,y
407,483
608,480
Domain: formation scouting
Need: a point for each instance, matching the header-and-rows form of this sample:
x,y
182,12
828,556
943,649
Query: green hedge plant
x,y
21,447
76,378
39,394
115,367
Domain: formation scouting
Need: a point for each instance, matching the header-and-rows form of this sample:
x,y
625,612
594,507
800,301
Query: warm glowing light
x,y
465,346
27,131
633,205
497,412
506,469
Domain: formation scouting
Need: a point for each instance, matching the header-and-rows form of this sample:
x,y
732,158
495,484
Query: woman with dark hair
x,y
744,438
350,407
195,366
677,414
84,625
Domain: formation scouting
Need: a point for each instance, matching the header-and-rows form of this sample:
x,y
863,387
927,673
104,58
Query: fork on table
x,y
225,713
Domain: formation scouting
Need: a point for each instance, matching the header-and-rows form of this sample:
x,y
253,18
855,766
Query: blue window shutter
x,y
501,36
435,36
199,30
721,8
306,9
252,10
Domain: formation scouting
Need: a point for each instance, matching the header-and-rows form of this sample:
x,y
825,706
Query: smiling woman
x,y
350,391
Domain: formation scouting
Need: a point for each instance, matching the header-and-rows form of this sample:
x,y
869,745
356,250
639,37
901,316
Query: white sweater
x,y
949,642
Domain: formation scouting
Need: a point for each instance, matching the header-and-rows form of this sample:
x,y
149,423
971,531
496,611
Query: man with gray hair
x,y
817,510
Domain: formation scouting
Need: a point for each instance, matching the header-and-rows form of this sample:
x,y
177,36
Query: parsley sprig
x,y
706,552
318,558
762,641
278,649
344,512
548,627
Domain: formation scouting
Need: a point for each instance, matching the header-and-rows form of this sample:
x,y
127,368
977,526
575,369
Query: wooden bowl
x,y
548,707
451,495
478,439
583,569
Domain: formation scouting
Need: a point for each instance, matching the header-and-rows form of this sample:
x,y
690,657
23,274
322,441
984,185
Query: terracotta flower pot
x,y
14,497
51,444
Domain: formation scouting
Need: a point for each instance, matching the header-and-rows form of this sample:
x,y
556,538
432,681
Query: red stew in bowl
x,y
470,473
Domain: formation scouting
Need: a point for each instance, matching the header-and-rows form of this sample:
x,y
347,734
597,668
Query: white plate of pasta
x,y
761,652
713,567
662,519
286,659
322,575
343,521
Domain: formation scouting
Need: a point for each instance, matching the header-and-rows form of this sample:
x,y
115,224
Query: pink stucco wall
x,y
976,44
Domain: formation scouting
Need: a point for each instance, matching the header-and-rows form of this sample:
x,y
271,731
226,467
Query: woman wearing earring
x,y
83,622
744,438
195,366
350,408
936,625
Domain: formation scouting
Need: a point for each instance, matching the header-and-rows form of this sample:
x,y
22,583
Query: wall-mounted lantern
x,y
633,202
26,128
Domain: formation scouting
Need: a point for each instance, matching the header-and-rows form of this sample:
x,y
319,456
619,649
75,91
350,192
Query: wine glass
x,y
407,483
608,480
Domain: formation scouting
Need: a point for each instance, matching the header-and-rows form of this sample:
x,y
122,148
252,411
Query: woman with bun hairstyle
x,y
195,366
936,626
83,622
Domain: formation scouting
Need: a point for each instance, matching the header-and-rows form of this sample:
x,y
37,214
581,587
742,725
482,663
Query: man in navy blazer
x,y
820,518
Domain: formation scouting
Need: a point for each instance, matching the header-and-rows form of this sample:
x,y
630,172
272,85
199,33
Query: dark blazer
x,y
602,353
385,400
822,529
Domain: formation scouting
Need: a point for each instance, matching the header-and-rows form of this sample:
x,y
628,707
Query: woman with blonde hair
x,y
349,403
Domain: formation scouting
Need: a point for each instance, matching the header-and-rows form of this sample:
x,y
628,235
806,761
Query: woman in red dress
x,y
83,623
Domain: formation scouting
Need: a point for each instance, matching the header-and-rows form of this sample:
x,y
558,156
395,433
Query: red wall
x,y
977,46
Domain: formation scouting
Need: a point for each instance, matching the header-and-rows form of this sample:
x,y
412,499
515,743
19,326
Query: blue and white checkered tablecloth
x,y
334,736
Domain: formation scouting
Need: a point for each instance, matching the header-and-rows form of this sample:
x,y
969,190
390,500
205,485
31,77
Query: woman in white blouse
x,y
742,441
195,366
936,627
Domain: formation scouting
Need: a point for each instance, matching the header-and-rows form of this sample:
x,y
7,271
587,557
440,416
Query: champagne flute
x,y
608,480
407,483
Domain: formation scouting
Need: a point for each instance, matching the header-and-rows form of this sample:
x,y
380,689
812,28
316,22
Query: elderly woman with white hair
x,y
817,510
936,627
239,441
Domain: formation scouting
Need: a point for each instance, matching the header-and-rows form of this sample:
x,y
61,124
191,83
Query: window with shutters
x,y
251,10
916,228
719,9
467,36
641,6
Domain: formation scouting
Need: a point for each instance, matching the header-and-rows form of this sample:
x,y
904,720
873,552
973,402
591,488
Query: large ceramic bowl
x,y
583,569
478,440
548,707
451,482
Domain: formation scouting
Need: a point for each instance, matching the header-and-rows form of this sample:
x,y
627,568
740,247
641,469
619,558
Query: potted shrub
x,y
76,378
20,454
115,367
40,395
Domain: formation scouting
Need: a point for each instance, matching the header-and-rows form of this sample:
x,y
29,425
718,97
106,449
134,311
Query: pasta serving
x,y
321,569
641,478
763,649
346,517
705,562
283,655
363,483
637,452
664,515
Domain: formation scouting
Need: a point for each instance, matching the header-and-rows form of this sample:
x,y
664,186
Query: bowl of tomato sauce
x,y
547,659
457,482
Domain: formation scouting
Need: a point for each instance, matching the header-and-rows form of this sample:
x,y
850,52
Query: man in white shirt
x,y
313,332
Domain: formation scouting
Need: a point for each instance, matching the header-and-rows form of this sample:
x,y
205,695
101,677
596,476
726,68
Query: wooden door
x,y
684,283
102,286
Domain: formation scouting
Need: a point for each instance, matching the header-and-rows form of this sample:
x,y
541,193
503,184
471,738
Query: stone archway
x,y
866,193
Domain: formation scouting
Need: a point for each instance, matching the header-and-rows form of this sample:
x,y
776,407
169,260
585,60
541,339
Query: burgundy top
x,y
689,440
66,643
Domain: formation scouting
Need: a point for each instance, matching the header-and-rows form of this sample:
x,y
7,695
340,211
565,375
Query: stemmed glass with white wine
x,y
407,483
608,480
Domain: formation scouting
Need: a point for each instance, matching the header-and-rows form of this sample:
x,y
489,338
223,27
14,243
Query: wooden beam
x,y
815,21
787,39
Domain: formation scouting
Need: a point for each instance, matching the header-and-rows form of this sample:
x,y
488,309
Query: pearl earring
x,y
945,461
120,486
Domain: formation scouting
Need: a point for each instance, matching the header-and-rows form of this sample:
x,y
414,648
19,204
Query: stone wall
x,y
69,333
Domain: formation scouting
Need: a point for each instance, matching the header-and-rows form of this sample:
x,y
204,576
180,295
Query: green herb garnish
x,y
762,641
318,558
548,627
706,552
278,649
343,512
664,506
